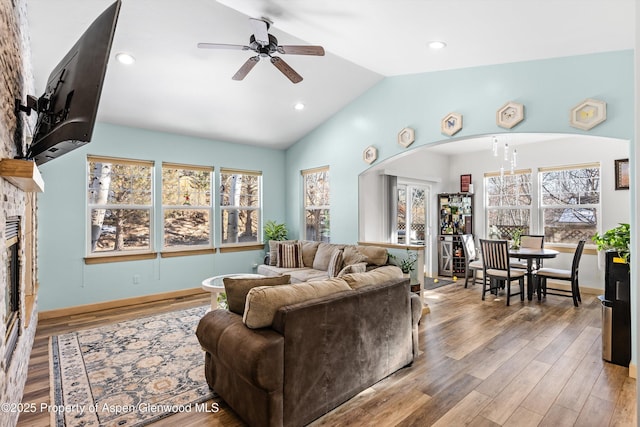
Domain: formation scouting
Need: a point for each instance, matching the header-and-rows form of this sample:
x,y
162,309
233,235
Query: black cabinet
x,y
616,311
455,216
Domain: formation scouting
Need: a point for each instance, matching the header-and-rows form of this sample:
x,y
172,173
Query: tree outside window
x,y
570,202
120,202
316,204
240,206
508,206
186,205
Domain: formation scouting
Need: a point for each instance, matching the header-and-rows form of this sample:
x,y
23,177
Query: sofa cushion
x,y
290,255
273,249
374,277
238,288
335,263
323,255
376,255
263,302
353,256
360,267
309,249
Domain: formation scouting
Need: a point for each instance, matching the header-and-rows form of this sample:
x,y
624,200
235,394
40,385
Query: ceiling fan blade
x,y
260,31
222,46
246,67
302,50
286,69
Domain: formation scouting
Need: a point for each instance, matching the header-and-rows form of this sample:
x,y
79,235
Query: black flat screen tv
x,y
67,110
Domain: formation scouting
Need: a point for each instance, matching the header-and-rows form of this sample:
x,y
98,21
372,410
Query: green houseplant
x,y
274,231
408,264
616,239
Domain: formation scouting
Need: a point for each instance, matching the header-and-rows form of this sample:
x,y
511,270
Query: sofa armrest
x,y
255,355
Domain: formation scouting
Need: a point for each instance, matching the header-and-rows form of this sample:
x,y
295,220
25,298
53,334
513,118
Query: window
x,y
240,193
120,205
508,203
570,201
411,210
186,206
316,204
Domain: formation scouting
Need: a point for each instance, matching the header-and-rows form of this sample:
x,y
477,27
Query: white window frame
x,y
259,238
305,207
208,208
596,206
489,207
110,206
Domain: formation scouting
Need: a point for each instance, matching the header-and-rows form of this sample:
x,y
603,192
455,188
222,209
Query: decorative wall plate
x,y
406,137
509,115
451,124
588,114
370,154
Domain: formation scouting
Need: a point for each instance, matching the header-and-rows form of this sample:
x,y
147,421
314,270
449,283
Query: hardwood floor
x,y
482,364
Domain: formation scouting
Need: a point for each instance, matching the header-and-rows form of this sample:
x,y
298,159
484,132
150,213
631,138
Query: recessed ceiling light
x,y
437,44
125,58
299,106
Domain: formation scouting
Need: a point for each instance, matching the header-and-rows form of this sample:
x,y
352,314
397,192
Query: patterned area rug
x,y
129,374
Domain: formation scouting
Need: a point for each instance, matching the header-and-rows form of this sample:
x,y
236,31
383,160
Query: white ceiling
x,y
175,87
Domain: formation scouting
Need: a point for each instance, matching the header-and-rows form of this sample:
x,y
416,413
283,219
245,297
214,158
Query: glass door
x,y
412,224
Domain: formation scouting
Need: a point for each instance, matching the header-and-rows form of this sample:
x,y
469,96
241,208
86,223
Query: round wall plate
x,y
509,115
588,114
451,124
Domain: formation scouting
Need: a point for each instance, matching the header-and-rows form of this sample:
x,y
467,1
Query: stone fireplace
x,y
13,288
18,263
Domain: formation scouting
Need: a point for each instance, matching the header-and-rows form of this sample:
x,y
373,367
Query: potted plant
x,y
407,265
617,239
273,231
516,238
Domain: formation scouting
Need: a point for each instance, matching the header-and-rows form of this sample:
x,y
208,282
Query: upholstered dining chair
x,y
530,241
472,260
543,274
496,269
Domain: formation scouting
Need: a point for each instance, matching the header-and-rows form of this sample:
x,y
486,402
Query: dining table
x,y
531,254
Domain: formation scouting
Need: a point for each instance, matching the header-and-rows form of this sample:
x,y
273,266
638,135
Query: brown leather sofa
x,y
316,354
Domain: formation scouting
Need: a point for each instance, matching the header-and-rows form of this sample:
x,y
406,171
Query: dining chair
x,y
530,241
496,268
543,274
473,263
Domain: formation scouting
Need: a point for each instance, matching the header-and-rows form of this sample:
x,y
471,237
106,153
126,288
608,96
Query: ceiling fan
x,y
265,45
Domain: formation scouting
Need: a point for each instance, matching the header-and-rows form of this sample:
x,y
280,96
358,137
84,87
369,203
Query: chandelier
x,y
510,159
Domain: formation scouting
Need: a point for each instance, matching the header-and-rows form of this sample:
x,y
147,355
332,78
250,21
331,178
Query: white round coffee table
x,y
215,285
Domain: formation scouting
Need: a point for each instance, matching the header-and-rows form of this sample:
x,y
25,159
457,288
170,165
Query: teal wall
x,y
65,280
547,88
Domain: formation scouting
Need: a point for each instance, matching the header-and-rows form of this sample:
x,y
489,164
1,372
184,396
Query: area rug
x,y
430,282
130,373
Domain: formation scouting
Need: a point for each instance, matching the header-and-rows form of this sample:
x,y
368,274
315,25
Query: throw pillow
x,y
360,267
353,256
335,263
376,255
309,249
263,302
273,250
323,255
290,256
238,288
374,277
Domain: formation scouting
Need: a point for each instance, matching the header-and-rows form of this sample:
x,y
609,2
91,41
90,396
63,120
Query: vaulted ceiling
x,y
175,87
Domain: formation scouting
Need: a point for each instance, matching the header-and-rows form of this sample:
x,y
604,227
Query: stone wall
x,y
16,80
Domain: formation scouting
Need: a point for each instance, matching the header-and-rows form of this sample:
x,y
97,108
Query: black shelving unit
x,y
455,216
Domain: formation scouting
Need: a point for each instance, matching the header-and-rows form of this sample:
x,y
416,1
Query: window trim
x,y
127,255
183,250
244,246
305,208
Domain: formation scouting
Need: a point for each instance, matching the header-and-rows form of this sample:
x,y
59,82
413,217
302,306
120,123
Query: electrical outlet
x,y
136,279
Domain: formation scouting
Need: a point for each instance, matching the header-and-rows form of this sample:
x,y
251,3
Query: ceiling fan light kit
x,y
265,45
